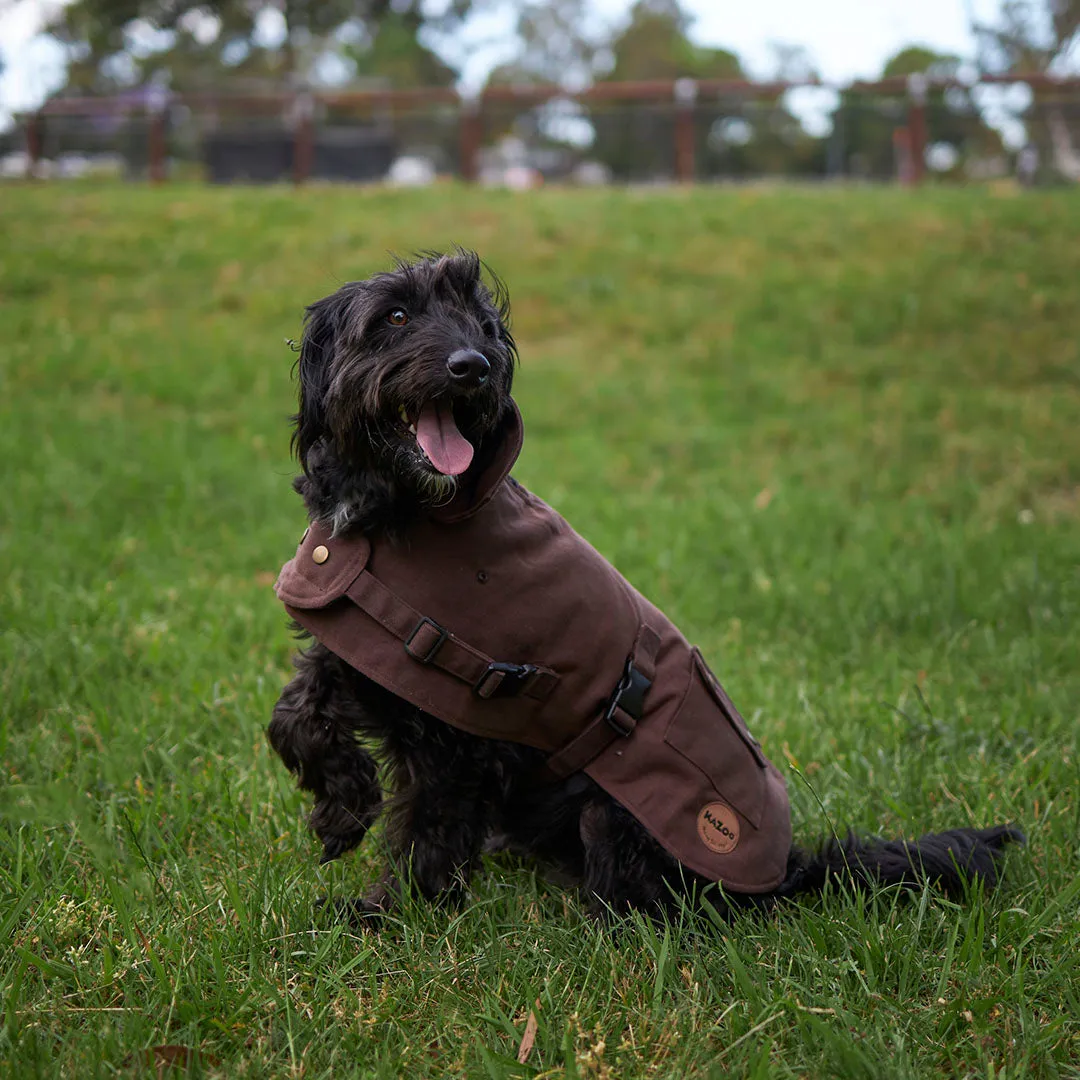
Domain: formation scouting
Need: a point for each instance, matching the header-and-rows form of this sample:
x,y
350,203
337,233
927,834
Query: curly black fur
x,y
455,794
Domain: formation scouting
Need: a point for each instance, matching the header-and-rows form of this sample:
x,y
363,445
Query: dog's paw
x,y
339,828
336,846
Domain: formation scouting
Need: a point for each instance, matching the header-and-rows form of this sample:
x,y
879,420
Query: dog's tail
x,y
951,860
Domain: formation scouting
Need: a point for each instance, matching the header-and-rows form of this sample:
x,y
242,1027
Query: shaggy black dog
x,y
379,359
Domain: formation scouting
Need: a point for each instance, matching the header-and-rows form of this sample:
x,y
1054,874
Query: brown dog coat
x,y
493,615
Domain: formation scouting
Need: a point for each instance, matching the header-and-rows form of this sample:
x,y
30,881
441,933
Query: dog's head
x,y
403,376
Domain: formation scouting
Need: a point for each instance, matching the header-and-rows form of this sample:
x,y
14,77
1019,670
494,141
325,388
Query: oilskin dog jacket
x,y
493,615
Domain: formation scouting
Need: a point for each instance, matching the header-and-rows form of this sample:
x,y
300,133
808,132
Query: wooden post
x,y
901,140
918,85
685,99
303,137
35,142
471,135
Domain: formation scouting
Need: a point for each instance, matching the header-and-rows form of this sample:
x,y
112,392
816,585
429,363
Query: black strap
x,y
429,643
624,709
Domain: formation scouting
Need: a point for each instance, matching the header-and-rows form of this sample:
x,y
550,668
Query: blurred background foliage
x,y
131,47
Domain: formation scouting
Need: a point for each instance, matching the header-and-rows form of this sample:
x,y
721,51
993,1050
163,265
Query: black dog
x,y
383,364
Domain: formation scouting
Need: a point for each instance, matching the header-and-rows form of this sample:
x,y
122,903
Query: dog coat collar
x,y
494,616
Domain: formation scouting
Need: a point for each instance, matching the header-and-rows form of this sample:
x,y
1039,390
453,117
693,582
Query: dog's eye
x,y
398,317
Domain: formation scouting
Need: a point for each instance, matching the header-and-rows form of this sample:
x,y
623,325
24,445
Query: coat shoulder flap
x,y
322,569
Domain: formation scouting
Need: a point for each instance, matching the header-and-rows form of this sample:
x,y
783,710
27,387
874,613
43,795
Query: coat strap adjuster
x,y
620,716
431,638
627,702
503,680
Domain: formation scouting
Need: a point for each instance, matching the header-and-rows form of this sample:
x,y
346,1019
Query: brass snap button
x,y
321,554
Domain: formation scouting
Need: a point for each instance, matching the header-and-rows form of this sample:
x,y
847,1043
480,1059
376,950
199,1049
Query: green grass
x,y
835,434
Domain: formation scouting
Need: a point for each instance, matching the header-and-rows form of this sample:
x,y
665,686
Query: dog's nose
x,y
468,367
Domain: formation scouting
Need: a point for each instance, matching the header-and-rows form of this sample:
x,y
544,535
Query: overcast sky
x,y
845,38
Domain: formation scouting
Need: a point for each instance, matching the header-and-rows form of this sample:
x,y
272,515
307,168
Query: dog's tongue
x,y
446,448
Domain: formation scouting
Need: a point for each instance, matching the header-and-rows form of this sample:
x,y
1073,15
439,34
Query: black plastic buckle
x,y
629,696
512,679
426,658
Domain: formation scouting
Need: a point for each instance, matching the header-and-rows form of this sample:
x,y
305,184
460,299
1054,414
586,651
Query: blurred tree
x,y
561,41
116,44
760,136
919,60
735,135
865,122
1038,36
655,45
636,141
395,55
1031,35
792,63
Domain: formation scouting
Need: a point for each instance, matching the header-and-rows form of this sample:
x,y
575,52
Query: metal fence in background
x,y
898,129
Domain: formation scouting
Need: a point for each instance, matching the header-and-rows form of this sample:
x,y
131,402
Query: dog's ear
x,y
321,326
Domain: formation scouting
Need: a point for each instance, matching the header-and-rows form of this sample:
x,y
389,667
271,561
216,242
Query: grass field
x,y
836,434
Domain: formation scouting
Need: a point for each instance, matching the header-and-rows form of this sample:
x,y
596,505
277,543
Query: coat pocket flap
x,y
322,569
708,730
720,697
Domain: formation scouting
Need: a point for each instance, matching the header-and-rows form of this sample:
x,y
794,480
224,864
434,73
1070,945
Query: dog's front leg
x,y
313,730
441,814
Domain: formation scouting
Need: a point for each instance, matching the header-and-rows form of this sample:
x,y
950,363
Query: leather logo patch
x,y
718,827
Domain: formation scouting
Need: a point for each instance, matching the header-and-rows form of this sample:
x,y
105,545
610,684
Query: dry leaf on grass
x,y
529,1037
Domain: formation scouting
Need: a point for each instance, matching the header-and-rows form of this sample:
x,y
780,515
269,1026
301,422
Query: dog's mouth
x,y
438,436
